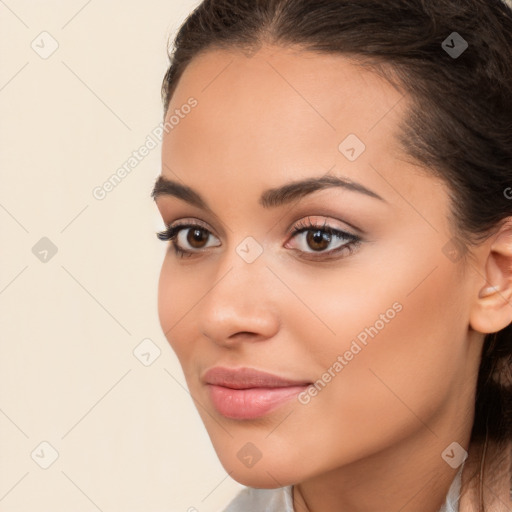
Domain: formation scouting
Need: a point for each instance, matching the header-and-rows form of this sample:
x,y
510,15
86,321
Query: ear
x,y
492,309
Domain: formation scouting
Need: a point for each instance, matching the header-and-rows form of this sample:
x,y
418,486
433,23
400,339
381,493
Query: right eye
x,y
188,239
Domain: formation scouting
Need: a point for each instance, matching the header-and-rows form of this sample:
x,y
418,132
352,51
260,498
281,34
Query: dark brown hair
x,y
459,124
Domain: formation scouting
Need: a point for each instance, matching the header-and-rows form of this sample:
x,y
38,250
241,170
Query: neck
x,y
409,476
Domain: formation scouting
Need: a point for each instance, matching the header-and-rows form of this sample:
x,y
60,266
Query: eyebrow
x,y
271,198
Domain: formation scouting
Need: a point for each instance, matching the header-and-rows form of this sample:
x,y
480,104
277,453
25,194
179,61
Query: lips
x,y
244,378
245,393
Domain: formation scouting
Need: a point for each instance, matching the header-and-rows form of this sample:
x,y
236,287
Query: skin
x,y
372,439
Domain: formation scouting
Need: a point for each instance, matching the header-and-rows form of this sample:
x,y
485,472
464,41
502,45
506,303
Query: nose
x,y
241,305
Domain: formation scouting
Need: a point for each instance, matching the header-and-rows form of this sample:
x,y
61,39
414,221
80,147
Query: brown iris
x,y
197,237
318,240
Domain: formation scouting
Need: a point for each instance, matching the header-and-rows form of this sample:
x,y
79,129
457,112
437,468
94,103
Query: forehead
x,y
328,92
277,111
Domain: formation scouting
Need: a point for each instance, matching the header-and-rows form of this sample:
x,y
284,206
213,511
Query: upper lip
x,y
246,378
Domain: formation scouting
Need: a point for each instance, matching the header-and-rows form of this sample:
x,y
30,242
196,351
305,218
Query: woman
x,y
336,186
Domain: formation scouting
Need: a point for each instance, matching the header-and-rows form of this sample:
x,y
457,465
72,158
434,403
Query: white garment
x,y
262,500
281,500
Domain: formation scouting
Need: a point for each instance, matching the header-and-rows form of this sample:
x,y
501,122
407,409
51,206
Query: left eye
x,y
322,239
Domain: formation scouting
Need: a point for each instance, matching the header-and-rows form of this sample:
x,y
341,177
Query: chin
x,y
267,473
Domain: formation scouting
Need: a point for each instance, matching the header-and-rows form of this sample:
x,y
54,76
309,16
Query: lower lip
x,y
247,404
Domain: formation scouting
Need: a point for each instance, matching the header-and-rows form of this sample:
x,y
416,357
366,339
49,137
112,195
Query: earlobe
x,y
492,310
487,291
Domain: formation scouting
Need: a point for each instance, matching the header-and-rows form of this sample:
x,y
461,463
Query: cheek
x,y
177,297
166,294
400,376
406,311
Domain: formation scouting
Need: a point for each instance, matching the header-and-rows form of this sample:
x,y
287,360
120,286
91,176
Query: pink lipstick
x,y
246,393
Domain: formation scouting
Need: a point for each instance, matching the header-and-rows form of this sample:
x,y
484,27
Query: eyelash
x,y
353,241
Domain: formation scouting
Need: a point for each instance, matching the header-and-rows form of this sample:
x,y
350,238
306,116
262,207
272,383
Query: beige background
x,y
127,435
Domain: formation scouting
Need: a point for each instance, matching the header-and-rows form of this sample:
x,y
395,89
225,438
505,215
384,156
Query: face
x,y
314,252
